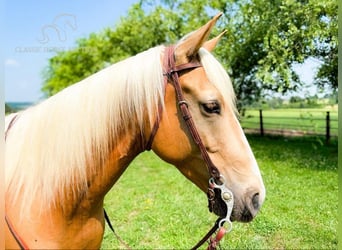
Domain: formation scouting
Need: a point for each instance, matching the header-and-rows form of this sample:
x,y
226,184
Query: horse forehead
x,y
196,80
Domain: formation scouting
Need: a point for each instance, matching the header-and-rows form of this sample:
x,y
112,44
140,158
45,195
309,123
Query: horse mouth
x,y
219,207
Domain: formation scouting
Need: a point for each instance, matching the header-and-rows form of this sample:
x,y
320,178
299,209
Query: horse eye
x,y
212,108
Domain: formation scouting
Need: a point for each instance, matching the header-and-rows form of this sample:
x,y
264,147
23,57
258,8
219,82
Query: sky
x,y
34,29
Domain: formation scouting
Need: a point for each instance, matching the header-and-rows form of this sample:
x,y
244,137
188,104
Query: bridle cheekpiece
x,y
217,181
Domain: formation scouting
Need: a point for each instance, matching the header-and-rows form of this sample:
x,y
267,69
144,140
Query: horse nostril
x,y
255,201
250,208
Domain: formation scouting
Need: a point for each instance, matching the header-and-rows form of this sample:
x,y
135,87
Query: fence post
x,y
327,128
261,123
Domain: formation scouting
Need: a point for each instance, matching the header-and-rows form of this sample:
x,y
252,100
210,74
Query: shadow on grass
x,y
300,152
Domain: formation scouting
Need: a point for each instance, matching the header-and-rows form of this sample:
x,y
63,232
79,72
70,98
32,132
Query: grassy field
x,y
306,120
154,207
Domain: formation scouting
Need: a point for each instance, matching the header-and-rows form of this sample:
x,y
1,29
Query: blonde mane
x,y
49,146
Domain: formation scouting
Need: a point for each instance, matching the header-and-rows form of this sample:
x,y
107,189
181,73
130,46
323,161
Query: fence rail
x,y
291,122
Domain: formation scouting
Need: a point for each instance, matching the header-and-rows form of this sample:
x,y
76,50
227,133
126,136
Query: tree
x,y
265,39
135,33
268,37
9,109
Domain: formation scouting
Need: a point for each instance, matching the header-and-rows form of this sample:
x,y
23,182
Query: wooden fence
x,y
291,123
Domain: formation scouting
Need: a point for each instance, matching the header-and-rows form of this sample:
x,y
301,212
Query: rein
x,y
216,181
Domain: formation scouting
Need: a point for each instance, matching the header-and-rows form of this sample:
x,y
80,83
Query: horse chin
x,y
238,214
219,207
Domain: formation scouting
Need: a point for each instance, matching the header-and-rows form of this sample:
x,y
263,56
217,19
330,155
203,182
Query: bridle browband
x,y
216,181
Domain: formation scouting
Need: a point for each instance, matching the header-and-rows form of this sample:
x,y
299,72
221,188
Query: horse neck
x,y
75,217
119,157
104,160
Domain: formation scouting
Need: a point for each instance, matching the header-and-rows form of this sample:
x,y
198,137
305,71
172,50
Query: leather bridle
x,y
171,75
216,181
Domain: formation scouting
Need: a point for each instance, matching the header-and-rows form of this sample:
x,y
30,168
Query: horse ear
x,y
189,46
211,44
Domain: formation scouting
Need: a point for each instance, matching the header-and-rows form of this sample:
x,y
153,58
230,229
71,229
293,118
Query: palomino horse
x,y
65,154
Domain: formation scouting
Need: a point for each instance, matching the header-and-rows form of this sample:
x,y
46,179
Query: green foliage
x,y
327,101
135,33
69,67
8,109
267,38
264,41
154,207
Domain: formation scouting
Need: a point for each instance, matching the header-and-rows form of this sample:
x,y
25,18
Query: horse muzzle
x,y
244,210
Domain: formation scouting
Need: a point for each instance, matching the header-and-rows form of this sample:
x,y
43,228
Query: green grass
x,y
307,120
154,207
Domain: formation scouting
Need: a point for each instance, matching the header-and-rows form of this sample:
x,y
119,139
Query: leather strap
x,y
148,145
167,76
172,73
112,228
10,125
207,236
16,236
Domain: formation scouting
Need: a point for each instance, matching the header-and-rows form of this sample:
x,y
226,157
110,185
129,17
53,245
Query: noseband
x,y
217,181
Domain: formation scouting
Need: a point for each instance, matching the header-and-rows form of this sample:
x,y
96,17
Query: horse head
x,y
210,97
